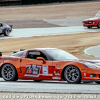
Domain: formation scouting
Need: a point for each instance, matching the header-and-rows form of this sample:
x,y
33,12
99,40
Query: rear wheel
x,y
98,26
9,73
72,74
6,32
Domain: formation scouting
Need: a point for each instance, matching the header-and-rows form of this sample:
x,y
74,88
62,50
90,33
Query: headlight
x,y
90,65
98,63
93,22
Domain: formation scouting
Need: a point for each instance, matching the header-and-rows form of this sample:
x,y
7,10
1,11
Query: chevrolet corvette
x,y
5,29
48,64
92,22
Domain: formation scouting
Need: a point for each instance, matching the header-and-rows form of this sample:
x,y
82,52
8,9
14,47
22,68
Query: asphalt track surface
x,y
29,28
94,51
29,32
48,27
29,86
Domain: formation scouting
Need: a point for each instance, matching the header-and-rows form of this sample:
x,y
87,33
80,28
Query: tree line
x,y
47,1
26,2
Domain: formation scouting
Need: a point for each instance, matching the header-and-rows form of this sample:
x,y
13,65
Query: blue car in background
x,y
5,29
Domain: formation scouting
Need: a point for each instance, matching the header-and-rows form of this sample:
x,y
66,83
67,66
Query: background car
x,y
92,22
48,64
5,29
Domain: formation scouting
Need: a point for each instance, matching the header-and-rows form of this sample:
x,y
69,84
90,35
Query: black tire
x,y
97,82
89,27
98,26
72,74
37,80
6,32
9,72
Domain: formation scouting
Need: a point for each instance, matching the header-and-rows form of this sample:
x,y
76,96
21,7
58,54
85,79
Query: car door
x,y
36,69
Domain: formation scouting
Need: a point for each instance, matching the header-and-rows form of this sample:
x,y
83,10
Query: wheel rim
x,y
99,24
7,72
7,32
71,74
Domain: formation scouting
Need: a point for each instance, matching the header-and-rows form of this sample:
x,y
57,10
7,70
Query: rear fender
x,y
16,64
3,65
11,26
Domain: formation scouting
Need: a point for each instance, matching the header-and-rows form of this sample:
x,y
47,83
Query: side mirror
x,y
41,58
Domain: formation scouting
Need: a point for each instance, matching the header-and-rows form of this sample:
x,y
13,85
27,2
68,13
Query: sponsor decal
x,y
13,59
45,69
55,77
32,70
58,74
84,74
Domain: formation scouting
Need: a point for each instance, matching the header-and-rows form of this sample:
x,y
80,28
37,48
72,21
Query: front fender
x,y
79,65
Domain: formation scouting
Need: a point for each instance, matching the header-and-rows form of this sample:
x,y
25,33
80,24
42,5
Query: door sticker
x,y
32,70
45,69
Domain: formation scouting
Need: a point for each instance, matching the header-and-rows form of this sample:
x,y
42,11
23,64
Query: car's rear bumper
x,y
2,31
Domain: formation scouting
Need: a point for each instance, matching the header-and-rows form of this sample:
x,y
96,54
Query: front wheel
x,y
97,82
6,32
89,26
9,73
98,26
72,74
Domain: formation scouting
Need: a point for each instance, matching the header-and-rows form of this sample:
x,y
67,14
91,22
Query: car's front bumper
x,y
88,81
87,24
91,75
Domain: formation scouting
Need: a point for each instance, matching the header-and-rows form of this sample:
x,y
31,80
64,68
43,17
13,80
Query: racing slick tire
x,y
9,73
89,26
72,74
97,82
98,26
6,32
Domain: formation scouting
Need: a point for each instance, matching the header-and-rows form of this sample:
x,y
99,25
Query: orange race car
x,y
48,64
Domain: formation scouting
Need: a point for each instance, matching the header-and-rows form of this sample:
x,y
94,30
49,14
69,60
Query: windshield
x,y
60,55
97,15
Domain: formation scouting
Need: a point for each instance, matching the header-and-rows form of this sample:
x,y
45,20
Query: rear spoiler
x,y
11,26
10,51
6,52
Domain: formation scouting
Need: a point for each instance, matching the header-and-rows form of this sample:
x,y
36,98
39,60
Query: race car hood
x,y
92,19
97,62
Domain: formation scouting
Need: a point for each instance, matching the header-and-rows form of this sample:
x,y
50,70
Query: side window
x,y
35,54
